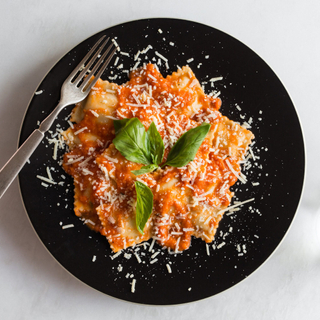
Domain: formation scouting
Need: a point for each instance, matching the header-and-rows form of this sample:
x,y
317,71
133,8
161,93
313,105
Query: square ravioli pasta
x,y
187,201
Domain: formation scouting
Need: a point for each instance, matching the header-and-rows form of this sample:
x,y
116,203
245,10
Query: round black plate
x,y
244,239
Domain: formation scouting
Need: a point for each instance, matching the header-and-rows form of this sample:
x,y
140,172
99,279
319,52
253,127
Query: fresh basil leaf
x,y
119,124
131,141
185,149
145,169
156,145
144,205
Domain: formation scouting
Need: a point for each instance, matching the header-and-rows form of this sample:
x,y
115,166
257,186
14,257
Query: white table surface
x,y
35,34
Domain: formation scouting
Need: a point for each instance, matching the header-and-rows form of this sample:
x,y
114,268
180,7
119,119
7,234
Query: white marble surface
x,y
35,34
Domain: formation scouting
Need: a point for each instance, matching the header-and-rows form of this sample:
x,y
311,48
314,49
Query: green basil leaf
x,y
131,141
144,205
145,169
119,124
185,149
156,145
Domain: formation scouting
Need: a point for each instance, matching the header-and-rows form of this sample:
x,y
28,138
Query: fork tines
x,y
93,60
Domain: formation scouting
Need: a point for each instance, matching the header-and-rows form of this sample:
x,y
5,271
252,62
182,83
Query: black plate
x,y
248,83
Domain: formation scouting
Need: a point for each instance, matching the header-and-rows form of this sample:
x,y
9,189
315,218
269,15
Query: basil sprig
x,y
137,145
146,147
144,205
185,149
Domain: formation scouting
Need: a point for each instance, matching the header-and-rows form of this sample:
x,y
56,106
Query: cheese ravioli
x,y
188,201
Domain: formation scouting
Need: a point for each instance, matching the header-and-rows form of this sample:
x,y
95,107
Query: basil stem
x,y
145,169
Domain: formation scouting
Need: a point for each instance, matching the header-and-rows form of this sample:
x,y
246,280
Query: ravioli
x,y
188,201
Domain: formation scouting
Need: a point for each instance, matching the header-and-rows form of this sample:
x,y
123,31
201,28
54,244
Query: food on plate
x,y
153,158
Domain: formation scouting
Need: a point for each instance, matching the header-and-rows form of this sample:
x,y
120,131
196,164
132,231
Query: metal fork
x,y
74,89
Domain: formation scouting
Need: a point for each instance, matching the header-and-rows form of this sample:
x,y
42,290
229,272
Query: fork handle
x,y
18,160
